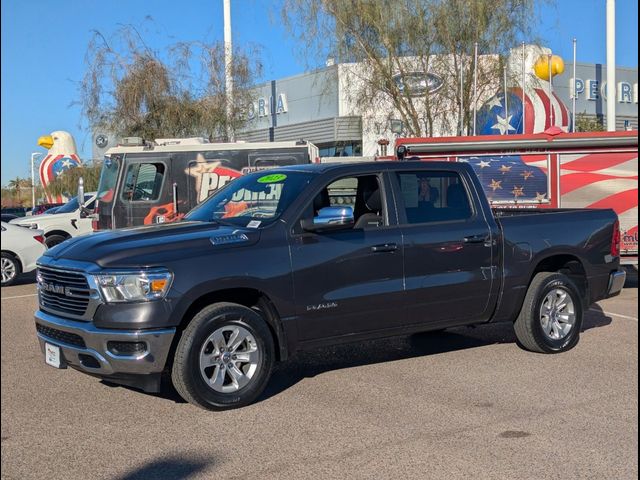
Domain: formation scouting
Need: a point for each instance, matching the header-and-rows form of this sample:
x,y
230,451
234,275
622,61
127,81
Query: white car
x,y
21,247
69,221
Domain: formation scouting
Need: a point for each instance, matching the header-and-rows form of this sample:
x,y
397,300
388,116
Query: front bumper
x,y
616,283
87,348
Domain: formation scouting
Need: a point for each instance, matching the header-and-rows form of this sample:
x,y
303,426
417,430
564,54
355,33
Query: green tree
x,y
390,39
132,90
589,123
67,183
16,185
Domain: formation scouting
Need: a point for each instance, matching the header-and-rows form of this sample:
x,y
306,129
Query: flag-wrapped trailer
x,y
549,170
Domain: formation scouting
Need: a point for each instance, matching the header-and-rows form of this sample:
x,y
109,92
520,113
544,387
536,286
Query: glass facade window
x,y
341,149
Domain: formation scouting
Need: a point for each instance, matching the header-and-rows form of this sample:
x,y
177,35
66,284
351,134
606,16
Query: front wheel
x,y
224,357
551,315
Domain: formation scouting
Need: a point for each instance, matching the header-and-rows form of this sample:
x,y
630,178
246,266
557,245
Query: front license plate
x,y
52,355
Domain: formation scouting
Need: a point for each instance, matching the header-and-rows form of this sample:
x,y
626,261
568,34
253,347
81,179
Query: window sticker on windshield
x,y
273,178
254,224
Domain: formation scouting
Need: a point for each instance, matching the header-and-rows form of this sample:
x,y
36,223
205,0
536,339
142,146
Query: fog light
x,y
127,348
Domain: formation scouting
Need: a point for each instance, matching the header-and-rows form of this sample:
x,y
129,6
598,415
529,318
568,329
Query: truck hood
x,y
144,246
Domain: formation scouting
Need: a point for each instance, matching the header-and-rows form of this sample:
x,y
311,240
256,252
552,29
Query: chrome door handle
x,y
387,247
476,239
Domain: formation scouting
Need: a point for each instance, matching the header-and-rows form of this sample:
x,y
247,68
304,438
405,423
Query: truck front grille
x,y
63,291
59,335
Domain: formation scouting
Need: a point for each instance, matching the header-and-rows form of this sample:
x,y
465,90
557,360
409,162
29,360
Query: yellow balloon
x,y
541,67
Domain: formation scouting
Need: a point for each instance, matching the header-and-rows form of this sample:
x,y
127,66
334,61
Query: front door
x,y
349,281
448,249
145,193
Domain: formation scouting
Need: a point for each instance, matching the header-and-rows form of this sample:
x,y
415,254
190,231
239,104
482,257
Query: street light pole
x,y
611,65
33,179
228,66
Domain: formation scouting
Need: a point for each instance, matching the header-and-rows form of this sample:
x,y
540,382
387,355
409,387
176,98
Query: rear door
x,y
448,248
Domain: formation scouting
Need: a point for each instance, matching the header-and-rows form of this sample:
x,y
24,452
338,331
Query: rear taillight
x,y
39,238
616,240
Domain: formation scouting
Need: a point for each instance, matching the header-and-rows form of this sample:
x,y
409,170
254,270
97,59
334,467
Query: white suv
x,y
70,220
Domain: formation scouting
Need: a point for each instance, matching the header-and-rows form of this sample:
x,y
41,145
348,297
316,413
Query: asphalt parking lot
x,y
465,403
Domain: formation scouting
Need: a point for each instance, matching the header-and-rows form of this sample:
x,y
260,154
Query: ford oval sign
x,y
415,84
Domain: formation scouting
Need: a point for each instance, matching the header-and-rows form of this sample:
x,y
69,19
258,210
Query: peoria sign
x,y
595,89
266,106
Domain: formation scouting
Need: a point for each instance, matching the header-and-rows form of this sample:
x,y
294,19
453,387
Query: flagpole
x,y
475,86
574,94
461,97
524,82
506,100
550,93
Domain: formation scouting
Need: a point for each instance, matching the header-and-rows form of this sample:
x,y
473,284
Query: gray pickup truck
x,y
304,256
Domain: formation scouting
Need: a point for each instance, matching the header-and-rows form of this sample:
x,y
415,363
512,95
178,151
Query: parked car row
x,y
15,212
45,207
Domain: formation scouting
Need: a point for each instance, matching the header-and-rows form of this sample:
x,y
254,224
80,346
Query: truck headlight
x,y
134,287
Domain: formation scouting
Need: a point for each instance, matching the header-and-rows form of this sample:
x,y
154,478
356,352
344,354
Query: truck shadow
x,y
315,362
308,364
173,467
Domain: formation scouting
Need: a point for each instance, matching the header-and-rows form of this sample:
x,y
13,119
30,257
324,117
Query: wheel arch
x,y
62,233
14,255
567,264
252,298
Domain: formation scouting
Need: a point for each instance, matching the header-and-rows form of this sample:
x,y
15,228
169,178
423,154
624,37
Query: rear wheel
x,y
11,268
224,357
551,315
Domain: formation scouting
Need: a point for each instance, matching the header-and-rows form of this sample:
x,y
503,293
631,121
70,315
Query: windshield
x,y
252,200
72,205
108,179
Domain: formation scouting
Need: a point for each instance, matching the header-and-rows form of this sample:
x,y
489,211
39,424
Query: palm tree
x,y
16,184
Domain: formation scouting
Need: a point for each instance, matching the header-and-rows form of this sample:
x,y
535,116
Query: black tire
x,y
53,240
186,375
528,326
15,264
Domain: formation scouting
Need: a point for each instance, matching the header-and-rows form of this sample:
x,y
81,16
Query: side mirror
x,y
330,218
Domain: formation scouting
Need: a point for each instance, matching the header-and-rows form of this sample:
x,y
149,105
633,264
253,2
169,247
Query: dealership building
x,y
318,106
314,106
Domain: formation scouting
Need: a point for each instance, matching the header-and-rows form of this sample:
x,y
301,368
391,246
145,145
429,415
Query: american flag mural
x,y
53,166
543,111
519,178
603,180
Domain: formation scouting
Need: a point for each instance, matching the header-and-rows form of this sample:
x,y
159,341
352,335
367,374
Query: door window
x,y
143,182
433,197
363,194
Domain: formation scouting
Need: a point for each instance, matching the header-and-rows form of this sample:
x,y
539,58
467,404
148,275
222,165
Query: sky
x,y
44,44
